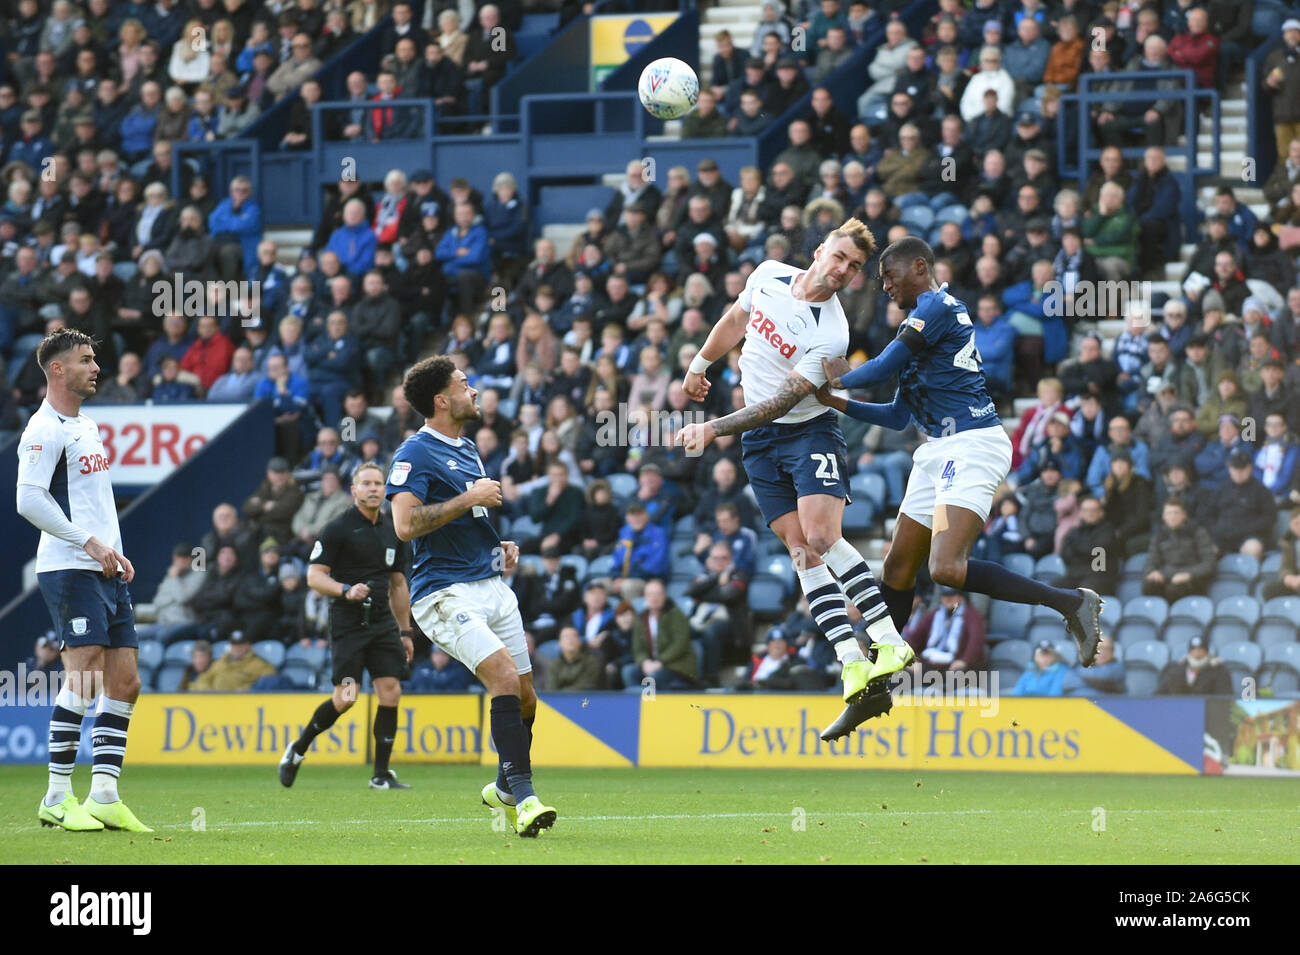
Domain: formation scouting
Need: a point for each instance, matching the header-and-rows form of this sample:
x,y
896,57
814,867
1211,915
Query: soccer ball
x,y
668,88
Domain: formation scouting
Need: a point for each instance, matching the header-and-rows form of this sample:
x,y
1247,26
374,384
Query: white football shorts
x,y
474,620
961,470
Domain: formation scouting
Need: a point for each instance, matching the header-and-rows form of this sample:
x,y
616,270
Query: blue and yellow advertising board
x,y
615,38
621,730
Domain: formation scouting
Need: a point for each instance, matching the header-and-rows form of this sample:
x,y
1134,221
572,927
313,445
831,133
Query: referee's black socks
x,y
511,739
320,721
385,733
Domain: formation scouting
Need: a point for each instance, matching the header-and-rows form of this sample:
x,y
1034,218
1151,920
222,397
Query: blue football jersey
x,y
436,468
943,383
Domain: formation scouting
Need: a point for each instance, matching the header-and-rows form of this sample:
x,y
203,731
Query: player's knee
x,y
948,571
126,689
819,543
344,699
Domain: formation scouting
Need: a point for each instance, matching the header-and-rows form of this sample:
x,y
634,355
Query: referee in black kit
x,y
359,561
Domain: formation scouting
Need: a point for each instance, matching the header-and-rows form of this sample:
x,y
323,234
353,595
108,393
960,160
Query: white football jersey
x,y
66,457
787,335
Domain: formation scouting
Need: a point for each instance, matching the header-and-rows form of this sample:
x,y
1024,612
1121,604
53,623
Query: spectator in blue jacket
x,y
995,340
174,342
34,145
168,388
204,119
1049,676
236,228
466,258
240,382
1120,433
441,674
354,242
1212,463
642,550
1058,445
273,280
335,366
506,218
138,125
289,395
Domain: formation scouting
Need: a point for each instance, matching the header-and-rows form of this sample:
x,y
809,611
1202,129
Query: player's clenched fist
x,y
485,493
510,551
835,368
695,386
696,437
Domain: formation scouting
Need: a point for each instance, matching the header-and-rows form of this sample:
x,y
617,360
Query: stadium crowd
x,y
1177,439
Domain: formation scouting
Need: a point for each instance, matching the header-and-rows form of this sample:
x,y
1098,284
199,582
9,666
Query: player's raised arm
x,y
412,518
894,415
725,335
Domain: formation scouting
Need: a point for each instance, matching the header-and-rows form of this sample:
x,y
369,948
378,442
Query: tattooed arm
x,y
412,519
696,437
793,390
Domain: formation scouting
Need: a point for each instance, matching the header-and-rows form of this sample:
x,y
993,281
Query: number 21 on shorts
x,y
828,468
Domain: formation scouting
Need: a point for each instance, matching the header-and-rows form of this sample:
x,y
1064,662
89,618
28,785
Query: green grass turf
x,y
670,816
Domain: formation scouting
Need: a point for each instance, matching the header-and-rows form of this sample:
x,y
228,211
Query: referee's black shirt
x,y
358,552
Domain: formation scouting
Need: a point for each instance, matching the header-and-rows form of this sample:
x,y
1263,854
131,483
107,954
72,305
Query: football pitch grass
x,y
241,815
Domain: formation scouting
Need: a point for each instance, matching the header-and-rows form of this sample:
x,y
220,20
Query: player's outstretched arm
x,y
881,368
894,415
412,519
696,437
726,334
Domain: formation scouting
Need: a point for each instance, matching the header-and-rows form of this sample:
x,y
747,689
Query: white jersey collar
x,y
454,442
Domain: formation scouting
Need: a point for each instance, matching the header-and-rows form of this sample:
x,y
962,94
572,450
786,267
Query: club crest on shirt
x,y
80,625
316,551
390,555
796,325
462,618
398,475
33,452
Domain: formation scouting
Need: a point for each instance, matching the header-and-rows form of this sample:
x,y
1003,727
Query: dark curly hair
x,y
425,379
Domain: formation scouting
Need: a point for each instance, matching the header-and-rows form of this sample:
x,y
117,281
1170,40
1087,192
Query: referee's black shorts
x,y
377,650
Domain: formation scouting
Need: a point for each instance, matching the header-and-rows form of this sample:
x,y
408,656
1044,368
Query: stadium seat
x,y
503,527
1142,620
577,562
1238,566
1129,589
508,408
524,527
1269,633
1134,564
309,657
272,651
151,655
1067,650
1242,659
782,569
1007,620
531,563
1272,564
858,517
767,596
1283,609
1042,629
869,486
1043,612
1143,662
1021,564
1228,587
681,546
179,652
688,565
1112,610
1008,676
168,678
684,525
602,566
1017,653
549,651
220,649
300,674
623,485
1234,620
1049,567
1281,670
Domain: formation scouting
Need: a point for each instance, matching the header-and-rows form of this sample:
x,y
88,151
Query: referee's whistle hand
x,y
358,592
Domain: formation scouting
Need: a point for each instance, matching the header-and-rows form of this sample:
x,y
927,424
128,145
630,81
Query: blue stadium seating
x,y
1129,589
624,486
1021,564
301,674
151,655
782,569
1234,620
869,486
767,596
179,652
1188,617
1007,620
1242,658
1272,564
1016,652
1067,650
577,562
1283,664
272,651
1143,662
309,657
1142,620
220,649
858,517
1239,567
1049,567
602,566
1112,611
168,678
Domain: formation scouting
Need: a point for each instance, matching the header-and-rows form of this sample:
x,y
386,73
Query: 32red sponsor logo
x,y
767,328
93,462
